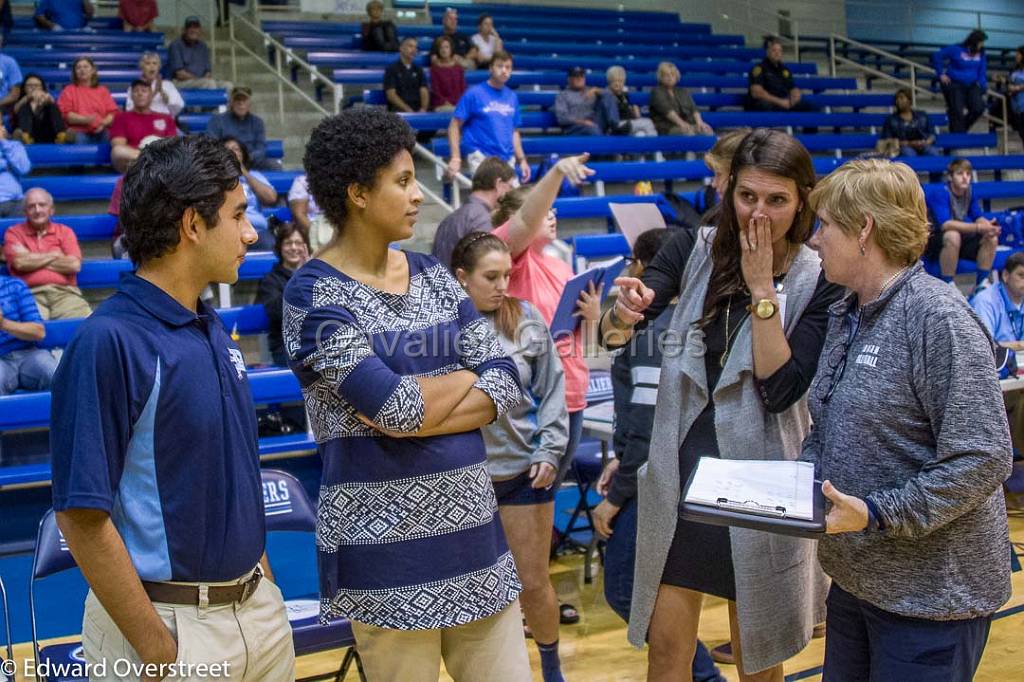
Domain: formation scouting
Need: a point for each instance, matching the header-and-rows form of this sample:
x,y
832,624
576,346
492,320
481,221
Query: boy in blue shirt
x,y
156,479
58,15
486,122
958,228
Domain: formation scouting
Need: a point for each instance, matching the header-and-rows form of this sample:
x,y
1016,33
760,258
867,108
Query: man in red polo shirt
x,y
130,128
45,255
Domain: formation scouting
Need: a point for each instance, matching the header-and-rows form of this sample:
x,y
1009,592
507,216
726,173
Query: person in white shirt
x,y
486,40
166,98
307,214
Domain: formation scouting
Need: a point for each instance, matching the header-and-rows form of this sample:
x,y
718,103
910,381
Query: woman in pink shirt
x,y
447,77
87,106
540,279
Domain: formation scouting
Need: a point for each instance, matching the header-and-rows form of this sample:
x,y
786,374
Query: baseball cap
x,y
577,71
192,20
241,92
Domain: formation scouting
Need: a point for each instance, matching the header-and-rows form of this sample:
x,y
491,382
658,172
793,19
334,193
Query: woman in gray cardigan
x,y
526,445
752,311
911,436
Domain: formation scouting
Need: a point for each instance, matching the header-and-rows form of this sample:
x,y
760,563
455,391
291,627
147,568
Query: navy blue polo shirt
x,y
153,422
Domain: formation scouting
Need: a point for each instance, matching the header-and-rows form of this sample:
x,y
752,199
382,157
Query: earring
x,y
462,284
862,251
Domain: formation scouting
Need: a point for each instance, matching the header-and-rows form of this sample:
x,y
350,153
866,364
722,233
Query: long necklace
x,y
728,335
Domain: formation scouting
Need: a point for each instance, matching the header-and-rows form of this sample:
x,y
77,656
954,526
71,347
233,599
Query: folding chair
x,y
586,467
288,508
51,556
7,627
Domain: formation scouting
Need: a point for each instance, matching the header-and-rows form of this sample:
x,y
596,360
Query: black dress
x,y
700,557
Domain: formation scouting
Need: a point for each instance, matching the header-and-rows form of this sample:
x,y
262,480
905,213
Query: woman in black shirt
x,y
910,127
291,245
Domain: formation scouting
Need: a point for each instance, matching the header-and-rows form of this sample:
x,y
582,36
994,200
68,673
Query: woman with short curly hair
x,y
399,372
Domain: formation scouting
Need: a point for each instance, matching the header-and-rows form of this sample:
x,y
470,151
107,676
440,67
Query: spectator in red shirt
x,y
447,77
87,106
45,255
130,128
137,15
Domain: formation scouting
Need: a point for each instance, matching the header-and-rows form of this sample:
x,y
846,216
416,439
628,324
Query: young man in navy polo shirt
x,y
156,479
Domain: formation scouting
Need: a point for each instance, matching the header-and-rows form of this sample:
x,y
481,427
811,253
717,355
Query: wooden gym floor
x,y
595,649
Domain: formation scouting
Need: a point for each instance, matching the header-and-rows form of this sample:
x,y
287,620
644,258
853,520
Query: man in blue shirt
x,y
240,123
58,15
10,82
156,479
959,230
23,365
965,81
486,122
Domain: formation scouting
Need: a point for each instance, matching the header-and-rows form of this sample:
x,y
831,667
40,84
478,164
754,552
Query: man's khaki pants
x,y
252,641
488,650
60,302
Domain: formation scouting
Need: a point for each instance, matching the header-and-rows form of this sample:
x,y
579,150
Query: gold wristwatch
x,y
764,309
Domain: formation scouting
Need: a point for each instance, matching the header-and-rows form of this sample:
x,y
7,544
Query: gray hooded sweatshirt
x,y
537,430
915,425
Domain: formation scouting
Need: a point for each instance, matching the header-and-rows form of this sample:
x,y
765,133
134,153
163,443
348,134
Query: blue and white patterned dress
x,y
408,534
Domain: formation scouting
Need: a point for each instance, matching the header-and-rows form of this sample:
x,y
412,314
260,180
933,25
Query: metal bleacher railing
x,y
918,74
245,28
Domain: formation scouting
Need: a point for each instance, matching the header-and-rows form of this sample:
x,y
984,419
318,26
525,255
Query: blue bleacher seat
x,y
643,79
103,273
100,187
64,155
85,42
22,411
367,60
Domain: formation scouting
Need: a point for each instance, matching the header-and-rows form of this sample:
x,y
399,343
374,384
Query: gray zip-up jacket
x,y
537,430
915,425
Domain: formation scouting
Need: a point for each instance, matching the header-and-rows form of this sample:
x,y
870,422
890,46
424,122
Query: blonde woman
x,y
910,437
672,107
616,114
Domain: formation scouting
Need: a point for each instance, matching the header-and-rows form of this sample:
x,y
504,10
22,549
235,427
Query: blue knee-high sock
x,y
550,666
981,276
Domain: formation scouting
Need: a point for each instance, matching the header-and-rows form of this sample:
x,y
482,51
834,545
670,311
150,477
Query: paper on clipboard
x,y
563,322
783,489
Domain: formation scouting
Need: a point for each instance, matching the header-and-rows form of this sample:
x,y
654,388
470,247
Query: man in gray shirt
x,y
574,106
491,181
188,59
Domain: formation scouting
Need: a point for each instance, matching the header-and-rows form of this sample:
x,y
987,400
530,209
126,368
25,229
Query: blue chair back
x,y
51,553
285,503
51,556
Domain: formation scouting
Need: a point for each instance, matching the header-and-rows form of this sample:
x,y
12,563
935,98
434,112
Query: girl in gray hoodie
x,y
525,445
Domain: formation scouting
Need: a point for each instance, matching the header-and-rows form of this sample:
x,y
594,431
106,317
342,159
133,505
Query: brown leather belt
x,y
169,593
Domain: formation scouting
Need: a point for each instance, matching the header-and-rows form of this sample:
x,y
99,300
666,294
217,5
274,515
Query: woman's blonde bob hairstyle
x,y
888,192
666,68
719,157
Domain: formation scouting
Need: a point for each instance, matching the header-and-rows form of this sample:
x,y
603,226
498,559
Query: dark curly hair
x,y
171,175
351,148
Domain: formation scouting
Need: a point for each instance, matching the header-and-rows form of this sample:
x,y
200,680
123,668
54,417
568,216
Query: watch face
x,y
765,309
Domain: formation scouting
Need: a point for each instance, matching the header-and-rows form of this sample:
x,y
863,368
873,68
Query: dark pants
x,y
619,559
576,129
960,97
863,643
1017,122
